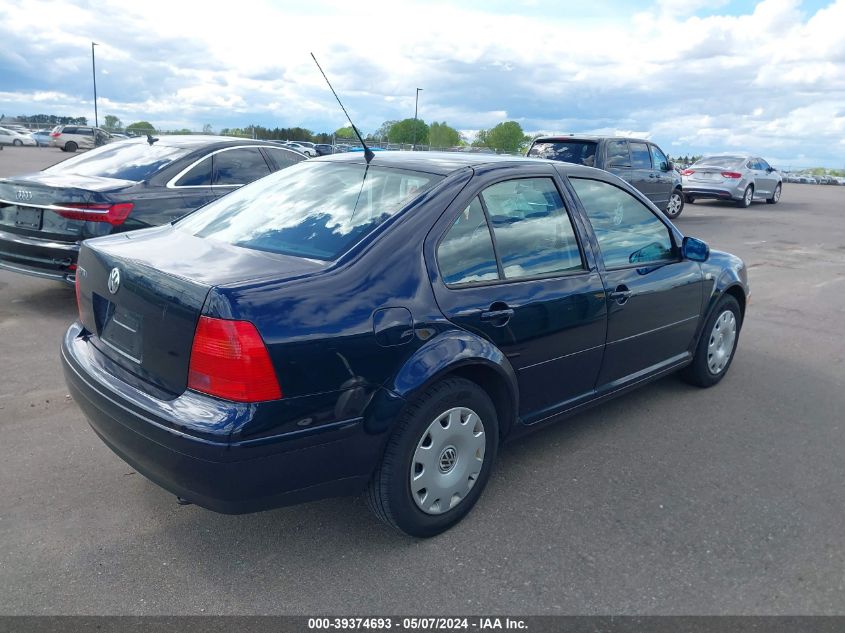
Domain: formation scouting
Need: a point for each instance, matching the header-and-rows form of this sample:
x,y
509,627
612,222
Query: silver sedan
x,y
742,179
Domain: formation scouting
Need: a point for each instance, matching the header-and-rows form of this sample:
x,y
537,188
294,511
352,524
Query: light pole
x,y
416,109
94,74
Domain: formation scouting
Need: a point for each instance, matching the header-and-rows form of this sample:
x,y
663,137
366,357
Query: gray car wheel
x,y
775,195
675,205
747,197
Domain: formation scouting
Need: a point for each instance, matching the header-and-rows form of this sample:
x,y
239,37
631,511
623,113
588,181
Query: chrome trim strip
x,y
52,207
171,184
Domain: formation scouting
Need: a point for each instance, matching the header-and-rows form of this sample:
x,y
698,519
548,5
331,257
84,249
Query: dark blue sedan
x,y
341,326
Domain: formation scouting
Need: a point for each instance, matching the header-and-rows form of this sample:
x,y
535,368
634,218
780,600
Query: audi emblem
x,y
24,195
114,280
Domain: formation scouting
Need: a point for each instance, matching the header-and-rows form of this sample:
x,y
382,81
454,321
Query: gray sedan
x,y
742,179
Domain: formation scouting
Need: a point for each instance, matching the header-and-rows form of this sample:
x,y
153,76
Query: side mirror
x,y
770,169
695,250
668,166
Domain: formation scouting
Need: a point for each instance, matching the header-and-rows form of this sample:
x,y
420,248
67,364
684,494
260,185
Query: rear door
x,y
654,297
643,175
618,162
510,268
84,137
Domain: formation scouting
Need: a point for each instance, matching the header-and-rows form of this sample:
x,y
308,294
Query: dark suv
x,y
641,163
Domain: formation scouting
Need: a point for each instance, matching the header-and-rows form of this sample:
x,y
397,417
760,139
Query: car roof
x,y
441,163
195,141
587,137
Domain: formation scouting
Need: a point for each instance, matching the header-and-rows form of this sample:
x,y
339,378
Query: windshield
x,y
127,160
720,161
315,210
579,152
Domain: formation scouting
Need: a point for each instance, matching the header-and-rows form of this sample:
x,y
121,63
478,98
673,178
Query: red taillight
x,y
687,172
55,134
114,214
731,174
78,296
229,360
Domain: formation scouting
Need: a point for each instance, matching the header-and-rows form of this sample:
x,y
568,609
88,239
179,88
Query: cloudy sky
x,y
693,75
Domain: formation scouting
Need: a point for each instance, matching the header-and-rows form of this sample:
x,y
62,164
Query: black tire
x,y
775,195
698,372
390,496
745,201
17,142
70,146
689,199
679,207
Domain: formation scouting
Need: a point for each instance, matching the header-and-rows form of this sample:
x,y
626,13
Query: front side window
x,y
627,231
312,209
659,159
465,254
617,154
238,166
533,233
640,158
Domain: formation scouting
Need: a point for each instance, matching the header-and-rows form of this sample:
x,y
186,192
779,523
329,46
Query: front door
x,y
654,297
510,269
664,182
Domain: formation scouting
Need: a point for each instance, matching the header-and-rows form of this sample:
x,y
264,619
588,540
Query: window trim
x,y
585,270
676,251
651,166
171,184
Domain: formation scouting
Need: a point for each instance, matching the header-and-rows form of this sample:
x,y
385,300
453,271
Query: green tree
x,y
383,131
207,129
441,135
506,137
112,122
480,139
345,132
141,127
409,131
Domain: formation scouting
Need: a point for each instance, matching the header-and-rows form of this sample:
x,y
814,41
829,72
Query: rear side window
x,y
578,152
238,166
627,231
640,158
282,157
312,209
617,154
198,176
532,230
68,130
466,253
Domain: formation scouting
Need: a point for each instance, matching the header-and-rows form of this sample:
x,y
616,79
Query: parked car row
x,y
814,180
14,137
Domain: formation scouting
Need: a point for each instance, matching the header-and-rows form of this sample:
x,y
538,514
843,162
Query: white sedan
x,y
10,137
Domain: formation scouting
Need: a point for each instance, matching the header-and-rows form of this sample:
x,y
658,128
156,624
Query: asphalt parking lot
x,y
671,500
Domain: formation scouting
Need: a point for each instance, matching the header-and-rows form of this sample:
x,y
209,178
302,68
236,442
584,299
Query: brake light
x,y
687,172
114,214
78,295
229,360
731,174
55,134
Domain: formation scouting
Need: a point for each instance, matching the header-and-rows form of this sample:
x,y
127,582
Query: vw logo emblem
x,y
24,195
447,459
114,280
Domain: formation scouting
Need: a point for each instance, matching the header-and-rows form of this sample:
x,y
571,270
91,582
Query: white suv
x,y
70,138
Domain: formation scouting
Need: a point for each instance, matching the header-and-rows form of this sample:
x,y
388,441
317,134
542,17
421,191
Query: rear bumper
x,y
184,446
38,257
718,194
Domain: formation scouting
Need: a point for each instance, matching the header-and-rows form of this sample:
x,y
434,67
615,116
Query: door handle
x,y
499,316
621,294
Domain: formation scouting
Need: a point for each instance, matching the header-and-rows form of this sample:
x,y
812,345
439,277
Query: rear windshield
x,y
314,210
579,152
127,160
721,161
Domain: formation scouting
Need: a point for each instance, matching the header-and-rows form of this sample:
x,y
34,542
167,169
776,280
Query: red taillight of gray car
x,y
731,174
114,214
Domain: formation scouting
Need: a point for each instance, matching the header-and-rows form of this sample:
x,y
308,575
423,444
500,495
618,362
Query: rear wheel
x,y
675,204
17,142
438,460
747,197
715,350
775,195
70,146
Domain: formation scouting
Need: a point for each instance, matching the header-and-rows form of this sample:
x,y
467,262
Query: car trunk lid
x,y
142,293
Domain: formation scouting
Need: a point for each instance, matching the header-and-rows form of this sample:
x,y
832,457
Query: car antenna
x,y
151,139
368,153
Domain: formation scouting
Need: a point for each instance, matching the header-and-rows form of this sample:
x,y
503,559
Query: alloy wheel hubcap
x,y
721,344
448,460
777,193
749,194
674,204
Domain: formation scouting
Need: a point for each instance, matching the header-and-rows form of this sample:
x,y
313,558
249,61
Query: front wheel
x,y
438,460
675,205
747,197
715,350
17,142
775,195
